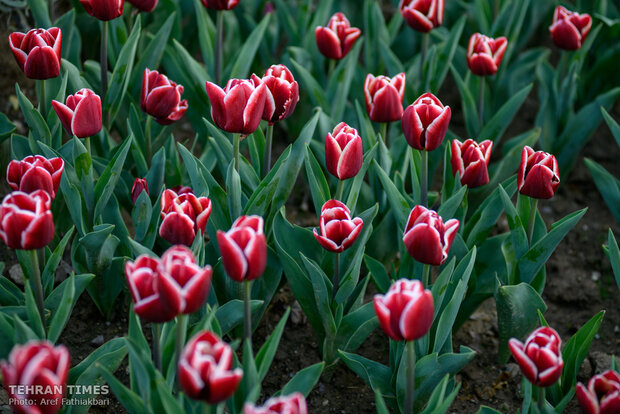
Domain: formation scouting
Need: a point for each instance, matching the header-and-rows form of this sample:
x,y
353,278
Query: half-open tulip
x,y
425,122
161,98
484,54
139,185
282,93
35,172
239,107
538,175
26,220
422,15
471,160
337,39
602,396
104,9
427,237
337,230
384,97
144,5
539,358
220,4
244,248
183,215
38,52
291,404
343,152
569,29
81,116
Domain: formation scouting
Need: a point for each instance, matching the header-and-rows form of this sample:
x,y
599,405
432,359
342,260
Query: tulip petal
x,y
235,262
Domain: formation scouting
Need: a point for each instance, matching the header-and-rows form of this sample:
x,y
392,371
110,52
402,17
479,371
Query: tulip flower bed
x,y
253,206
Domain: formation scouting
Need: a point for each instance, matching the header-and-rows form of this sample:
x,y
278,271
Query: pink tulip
x,y
569,29
343,152
35,172
38,52
384,97
81,116
538,175
337,39
485,54
422,15
338,231
539,358
427,237
183,215
425,122
26,220
471,160
244,248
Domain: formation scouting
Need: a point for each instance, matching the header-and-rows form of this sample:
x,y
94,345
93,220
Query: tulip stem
x,y
541,399
339,190
424,178
384,131
267,158
42,104
532,219
87,145
336,278
147,137
425,41
103,60
236,139
38,286
179,342
219,46
156,346
410,377
247,312
426,272
330,69
481,102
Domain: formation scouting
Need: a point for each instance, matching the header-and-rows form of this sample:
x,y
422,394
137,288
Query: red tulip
x,y
569,29
384,97
38,52
405,312
26,220
422,15
538,175
337,39
35,172
144,5
427,237
139,185
143,279
81,116
290,404
602,395
238,108
103,9
425,122
244,248
182,281
183,216
484,54
539,358
343,152
282,93
161,98
471,161
205,369
220,4
33,365
338,231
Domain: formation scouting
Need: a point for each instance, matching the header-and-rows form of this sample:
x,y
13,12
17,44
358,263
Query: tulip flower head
x,y
220,4
485,54
38,52
81,116
569,29
146,6
602,396
282,93
35,172
471,160
337,230
183,215
425,122
538,175
104,9
427,237
384,97
161,98
422,15
26,220
337,39
139,185
291,404
539,358
343,152
244,249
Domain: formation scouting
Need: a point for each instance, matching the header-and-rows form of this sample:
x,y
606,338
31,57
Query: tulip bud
x,y
244,248
484,54
35,172
337,230
26,220
161,98
38,52
81,116
422,15
405,312
539,358
282,93
425,122
205,369
471,160
144,5
220,4
538,175
569,29
384,97
32,365
602,395
183,215
290,404
104,9
343,152
427,237
337,39
238,107
139,185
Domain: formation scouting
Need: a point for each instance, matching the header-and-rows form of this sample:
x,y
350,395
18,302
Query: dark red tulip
x,y
221,4
104,9
427,237
384,97
161,98
244,248
283,93
183,215
238,107
471,161
139,185
26,220
343,152
144,5
81,116
291,404
338,231
602,395
38,52
337,39
205,369
538,175
484,54
405,312
422,15
425,122
569,29
32,365
539,358
182,189
35,172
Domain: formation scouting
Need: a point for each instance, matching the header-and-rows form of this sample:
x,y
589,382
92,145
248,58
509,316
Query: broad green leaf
x,y
268,350
108,179
376,375
316,179
241,68
304,380
607,185
38,127
495,127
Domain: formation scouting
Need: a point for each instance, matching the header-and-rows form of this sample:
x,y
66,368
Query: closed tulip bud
x,y
471,160
220,4
427,237
244,248
144,5
602,396
183,215
425,122
81,116
290,404
35,172
569,29
38,52
539,358
282,93
161,98
139,185
343,152
538,175
337,39
238,107
422,15
338,231
104,9
26,220
33,365
384,97
205,369
405,312
484,54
